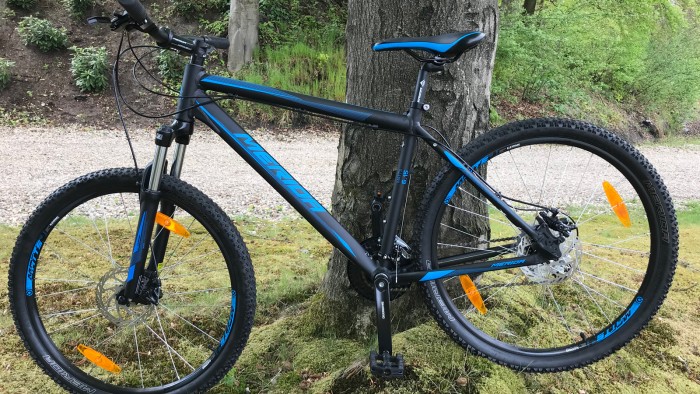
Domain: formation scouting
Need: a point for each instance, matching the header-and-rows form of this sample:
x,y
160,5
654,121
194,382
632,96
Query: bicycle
x,y
539,282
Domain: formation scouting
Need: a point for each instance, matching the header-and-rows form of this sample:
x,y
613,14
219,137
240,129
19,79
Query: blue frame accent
x,y
31,267
437,274
419,45
244,144
231,318
621,321
137,245
462,179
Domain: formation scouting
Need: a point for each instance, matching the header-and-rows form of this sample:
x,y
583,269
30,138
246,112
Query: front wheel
x,y
71,260
616,265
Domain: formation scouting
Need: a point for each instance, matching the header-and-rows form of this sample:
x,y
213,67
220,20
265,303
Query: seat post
x,y
418,102
419,94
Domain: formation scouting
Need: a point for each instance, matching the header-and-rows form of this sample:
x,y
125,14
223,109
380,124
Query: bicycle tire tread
x,y
489,138
212,210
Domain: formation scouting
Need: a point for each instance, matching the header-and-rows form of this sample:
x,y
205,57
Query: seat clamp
x,y
421,106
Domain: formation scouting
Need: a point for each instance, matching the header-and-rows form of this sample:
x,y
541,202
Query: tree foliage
x,y
643,53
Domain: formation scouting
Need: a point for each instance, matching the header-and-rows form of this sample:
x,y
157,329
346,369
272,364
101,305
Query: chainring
x,y
362,283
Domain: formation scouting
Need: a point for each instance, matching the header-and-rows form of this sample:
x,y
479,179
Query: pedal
x,y
386,366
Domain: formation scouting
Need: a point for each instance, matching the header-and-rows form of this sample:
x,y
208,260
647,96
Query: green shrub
x,y
89,68
5,75
668,85
218,27
22,4
7,14
634,54
42,34
78,7
285,22
194,8
170,66
315,69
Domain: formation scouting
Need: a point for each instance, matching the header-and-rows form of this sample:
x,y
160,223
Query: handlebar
x,y
137,12
164,37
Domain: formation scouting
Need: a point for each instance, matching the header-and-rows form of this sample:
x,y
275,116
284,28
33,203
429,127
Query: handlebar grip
x,y
217,42
137,12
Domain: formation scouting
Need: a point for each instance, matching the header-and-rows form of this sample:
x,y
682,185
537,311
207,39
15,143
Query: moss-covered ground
x,y
286,353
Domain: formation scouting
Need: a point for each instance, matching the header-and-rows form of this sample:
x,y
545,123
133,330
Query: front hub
x,y
109,288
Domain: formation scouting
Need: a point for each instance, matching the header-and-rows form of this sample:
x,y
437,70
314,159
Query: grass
x,y
316,69
676,141
284,355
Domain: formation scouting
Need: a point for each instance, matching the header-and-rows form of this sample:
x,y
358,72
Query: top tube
x,y
268,95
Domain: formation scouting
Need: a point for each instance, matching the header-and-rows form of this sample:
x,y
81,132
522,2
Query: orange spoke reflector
x,y
473,294
99,359
171,224
616,203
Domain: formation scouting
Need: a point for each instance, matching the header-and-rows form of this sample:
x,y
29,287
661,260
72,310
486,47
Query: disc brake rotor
x,y
107,288
553,271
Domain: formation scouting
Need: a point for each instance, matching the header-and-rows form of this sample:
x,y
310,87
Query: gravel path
x,y
38,161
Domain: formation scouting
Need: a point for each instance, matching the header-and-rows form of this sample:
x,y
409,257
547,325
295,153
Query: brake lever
x,y
93,20
119,19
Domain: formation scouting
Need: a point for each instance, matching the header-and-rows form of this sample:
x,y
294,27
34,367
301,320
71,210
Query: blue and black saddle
x,y
449,46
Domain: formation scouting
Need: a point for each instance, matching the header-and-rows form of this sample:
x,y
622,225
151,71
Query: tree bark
x,y
459,107
530,6
242,32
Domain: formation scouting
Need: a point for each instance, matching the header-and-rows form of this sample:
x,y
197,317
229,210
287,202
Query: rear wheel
x,y
70,261
616,266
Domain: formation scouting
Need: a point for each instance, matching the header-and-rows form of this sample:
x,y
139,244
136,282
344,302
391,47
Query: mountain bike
x,y
543,245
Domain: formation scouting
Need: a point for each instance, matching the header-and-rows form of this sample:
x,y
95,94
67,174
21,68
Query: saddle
x,y
447,46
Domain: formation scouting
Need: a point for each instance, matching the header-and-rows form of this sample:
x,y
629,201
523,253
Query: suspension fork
x,y
160,242
150,199
180,131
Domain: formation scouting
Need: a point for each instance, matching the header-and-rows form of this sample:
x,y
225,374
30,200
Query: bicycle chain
x,y
509,284
500,240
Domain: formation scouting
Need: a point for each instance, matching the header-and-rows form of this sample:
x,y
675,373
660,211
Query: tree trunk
x,y
530,6
459,107
242,32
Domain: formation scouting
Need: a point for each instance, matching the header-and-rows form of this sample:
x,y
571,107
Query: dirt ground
x,y
42,86
38,160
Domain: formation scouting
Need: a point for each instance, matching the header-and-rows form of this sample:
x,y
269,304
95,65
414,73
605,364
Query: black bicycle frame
x,y
204,108
255,155
195,103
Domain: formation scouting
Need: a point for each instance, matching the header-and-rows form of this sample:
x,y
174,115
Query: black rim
x,y
48,345
473,331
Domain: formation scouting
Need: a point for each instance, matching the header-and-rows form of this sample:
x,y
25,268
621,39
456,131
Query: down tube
x,y
244,144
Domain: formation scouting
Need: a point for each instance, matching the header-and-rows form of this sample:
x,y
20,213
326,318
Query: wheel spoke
x,y
612,262
561,314
517,168
608,282
640,252
72,324
605,263
189,322
138,356
544,177
479,215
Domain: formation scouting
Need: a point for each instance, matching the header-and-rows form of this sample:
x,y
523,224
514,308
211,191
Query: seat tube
x,y
398,195
403,171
